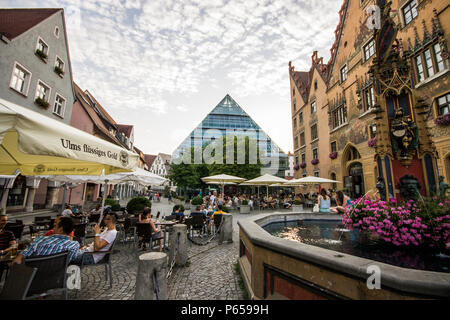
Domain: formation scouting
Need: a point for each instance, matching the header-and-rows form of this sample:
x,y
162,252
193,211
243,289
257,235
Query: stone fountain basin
x,y
410,282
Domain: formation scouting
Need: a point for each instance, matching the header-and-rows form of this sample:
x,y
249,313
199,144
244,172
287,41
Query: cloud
x,y
148,55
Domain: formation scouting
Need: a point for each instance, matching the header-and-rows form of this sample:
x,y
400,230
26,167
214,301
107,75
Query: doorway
x,y
18,193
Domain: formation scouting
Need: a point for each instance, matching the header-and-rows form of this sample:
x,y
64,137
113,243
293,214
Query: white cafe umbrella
x,y
309,180
265,180
222,179
38,145
139,175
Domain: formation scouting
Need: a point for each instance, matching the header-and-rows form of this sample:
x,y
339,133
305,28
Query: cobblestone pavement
x,y
209,274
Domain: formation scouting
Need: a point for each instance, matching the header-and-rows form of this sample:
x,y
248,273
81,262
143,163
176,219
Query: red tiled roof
x,y
14,22
93,115
125,129
149,159
106,114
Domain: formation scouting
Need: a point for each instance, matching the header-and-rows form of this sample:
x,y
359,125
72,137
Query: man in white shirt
x,y
67,212
102,242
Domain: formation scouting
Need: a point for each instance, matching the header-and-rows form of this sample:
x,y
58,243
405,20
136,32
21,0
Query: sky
x,y
163,65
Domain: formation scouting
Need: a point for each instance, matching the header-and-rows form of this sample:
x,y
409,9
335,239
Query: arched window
x,y
352,154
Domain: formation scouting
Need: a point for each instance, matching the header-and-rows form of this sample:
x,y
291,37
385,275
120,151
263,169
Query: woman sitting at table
x,y
146,217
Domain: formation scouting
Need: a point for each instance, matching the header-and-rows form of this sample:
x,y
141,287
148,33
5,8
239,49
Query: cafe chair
x,y
197,224
106,261
18,282
79,233
42,223
129,229
51,276
146,231
217,221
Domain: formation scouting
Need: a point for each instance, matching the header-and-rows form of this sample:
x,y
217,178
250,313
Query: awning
x,y
38,145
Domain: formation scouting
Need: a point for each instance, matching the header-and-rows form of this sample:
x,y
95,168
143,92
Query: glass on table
x,y
13,251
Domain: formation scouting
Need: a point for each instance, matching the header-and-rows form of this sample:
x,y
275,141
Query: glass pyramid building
x,y
228,118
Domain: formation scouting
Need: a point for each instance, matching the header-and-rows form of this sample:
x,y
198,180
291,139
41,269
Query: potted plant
x,y
303,165
41,102
41,54
58,71
372,142
137,205
197,201
115,206
296,167
443,120
333,155
298,206
315,161
244,207
421,225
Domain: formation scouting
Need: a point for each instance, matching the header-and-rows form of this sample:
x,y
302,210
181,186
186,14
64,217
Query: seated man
x,y
217,212
177,212
68,212
102,242
55,225
57,243
198,212
7,241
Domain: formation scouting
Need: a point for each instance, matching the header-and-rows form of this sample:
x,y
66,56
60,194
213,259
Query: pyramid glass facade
x,y
228,118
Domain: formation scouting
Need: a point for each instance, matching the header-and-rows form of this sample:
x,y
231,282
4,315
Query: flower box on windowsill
x,y
333,155
41,55
42,103
315,162
296,167
372,142
59,71
303,165
443,120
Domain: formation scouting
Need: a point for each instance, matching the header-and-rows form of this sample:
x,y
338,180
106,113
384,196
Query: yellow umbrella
x,y
38,145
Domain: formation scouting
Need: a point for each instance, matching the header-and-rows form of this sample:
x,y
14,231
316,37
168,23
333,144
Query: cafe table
x,y
165,225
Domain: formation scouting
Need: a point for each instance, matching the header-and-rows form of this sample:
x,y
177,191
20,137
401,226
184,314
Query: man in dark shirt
x,y
177,212
198,212
7,240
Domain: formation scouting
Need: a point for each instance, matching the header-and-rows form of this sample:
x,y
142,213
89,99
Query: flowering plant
x,y
303,165
314,161
296,167
424,223
443,120
372,142
333,155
